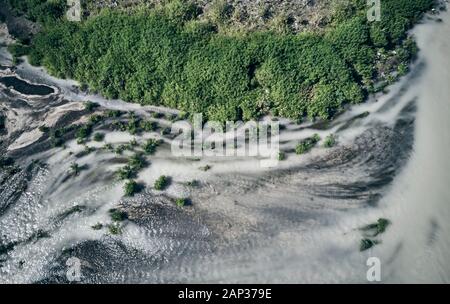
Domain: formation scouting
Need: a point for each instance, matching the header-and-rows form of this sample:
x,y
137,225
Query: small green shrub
x,y
99,136
84,131
108,146
157,115
133,126
75,169
193,183
161,183
95,119
57,135
91,106
57,142
114,229
367,244
137,162
181,202
118,215
127,172
44,129
114,113
131,188
119,149
376,228
150,146
307,144
329,141
133,143
205,168
402,69
97,226
40,234
87,150
147,125
165,131
70,211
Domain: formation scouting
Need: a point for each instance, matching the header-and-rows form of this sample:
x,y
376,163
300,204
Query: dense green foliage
x,y
167,57
18,49
44,11
399,15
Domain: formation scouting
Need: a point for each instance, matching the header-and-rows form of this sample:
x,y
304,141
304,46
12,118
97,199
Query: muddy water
x,y
297,222
24,87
